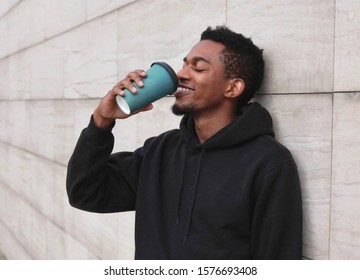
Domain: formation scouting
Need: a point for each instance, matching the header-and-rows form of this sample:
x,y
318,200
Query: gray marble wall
x,y
58,58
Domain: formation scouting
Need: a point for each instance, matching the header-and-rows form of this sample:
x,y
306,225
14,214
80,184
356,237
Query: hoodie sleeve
x,y
277,219
98,181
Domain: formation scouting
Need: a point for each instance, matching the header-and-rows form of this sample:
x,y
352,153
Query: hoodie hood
x,y
253,120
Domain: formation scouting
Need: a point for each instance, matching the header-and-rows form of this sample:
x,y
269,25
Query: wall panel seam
x,y
332,131
10,9
15,238
24,199
87,21
33,153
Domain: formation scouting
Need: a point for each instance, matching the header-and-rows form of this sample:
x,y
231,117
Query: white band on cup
x,y
122,104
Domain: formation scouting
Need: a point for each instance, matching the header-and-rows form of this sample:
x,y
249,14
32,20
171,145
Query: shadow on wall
x,y
2,256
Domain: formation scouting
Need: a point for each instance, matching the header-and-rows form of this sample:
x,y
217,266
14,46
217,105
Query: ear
x,y
235,88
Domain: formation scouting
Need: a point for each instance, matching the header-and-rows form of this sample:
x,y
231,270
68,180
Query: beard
x,y
178,110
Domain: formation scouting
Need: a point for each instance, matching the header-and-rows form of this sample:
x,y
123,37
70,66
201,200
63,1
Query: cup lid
x,y
170,71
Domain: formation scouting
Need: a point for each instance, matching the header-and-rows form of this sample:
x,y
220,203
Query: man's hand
x,y
108,110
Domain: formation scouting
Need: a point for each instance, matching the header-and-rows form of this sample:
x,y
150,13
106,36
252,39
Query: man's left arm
x,y
277,218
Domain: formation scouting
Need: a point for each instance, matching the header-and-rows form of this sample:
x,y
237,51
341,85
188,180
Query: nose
x,y
183,73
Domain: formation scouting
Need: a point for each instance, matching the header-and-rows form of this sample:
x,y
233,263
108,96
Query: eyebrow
x,y
196,59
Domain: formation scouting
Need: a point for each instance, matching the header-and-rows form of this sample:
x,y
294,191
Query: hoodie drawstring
x,y
181,184
194,194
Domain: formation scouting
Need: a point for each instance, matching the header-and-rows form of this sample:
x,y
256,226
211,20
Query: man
x,y
220,187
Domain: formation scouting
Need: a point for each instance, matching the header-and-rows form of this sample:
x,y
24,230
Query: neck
x,y
208,125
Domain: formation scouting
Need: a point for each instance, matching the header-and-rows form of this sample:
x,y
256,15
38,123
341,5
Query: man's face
x,y
202,81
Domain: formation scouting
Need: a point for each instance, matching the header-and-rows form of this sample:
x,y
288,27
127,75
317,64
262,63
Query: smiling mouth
x,y
183,90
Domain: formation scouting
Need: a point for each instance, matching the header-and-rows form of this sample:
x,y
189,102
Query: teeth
x,y
184,89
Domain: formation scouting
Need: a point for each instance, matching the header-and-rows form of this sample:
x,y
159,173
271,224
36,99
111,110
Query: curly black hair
x,y
241,57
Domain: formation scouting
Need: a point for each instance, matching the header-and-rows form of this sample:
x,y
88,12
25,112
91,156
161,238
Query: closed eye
x,y
195,62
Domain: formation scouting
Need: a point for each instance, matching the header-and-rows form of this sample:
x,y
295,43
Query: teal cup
x,y
161,80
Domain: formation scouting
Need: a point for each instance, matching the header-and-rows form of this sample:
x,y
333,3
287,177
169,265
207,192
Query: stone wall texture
x,y
58,58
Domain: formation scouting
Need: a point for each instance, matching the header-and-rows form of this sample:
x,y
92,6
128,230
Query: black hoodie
x,y
235,196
